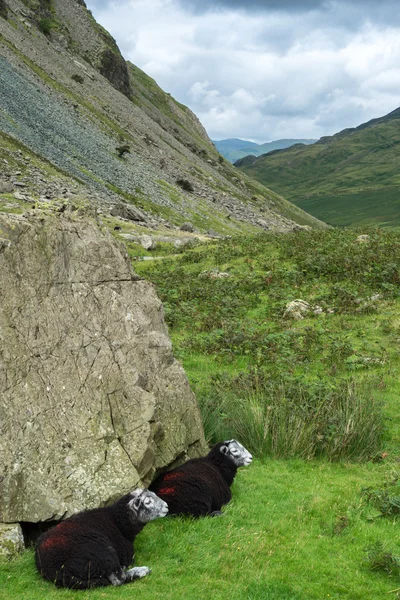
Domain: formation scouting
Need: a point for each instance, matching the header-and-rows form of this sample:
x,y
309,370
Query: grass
x,y
306,388
315,516
295,530
281,419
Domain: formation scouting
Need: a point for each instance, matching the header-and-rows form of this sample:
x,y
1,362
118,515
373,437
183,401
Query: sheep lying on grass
x,y
94,548
201,486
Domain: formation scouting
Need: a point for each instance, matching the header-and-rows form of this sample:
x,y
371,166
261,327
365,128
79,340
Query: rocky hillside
x,y
78,123
350,178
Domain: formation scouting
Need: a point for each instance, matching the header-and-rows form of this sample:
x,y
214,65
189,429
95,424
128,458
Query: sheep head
x,y
236,453
145,506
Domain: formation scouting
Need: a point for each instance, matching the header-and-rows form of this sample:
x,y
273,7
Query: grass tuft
x,y
289,418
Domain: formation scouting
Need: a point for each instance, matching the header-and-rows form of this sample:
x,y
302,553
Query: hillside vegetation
x,y
315,399
350,178
233,149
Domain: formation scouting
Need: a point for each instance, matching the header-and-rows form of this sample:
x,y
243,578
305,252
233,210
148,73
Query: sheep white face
x,y
237,453
146,506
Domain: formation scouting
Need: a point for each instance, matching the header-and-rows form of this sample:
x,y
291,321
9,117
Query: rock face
x,y
92,401
114,68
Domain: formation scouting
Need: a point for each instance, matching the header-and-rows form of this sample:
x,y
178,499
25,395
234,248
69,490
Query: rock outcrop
x,y
92,401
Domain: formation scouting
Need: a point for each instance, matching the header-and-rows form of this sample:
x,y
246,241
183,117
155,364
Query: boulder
x,y
6,187
301,228
185,242
129,212
262,223
363,239
297,310
187,227
148,243
92,400
19,196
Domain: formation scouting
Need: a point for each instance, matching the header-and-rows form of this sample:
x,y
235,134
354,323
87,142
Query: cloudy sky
x,y
265,69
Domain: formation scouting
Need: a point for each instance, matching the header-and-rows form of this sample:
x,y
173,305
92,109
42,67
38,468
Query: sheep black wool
x,y
201,486
94,548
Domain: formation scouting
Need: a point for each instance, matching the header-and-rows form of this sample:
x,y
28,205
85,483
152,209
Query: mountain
x,y
233,149
351,178
79,124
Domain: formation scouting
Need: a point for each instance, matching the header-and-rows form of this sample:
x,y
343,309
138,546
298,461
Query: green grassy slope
x,y
349,178
297,528
294,531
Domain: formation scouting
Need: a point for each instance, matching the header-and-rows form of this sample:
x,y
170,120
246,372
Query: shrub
x,y
46,25
123,149
380,559
185,185
388,504
77,78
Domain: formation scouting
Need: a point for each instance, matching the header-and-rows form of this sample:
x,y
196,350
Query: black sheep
x,y
201,486
94,548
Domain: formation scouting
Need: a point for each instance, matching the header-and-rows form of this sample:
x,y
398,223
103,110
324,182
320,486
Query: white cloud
x,y
269,74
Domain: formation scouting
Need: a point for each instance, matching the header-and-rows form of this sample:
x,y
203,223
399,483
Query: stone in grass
x,y
19,196
363,239
297,309
11,540
215,274
6,187
185,242
147,242
187,227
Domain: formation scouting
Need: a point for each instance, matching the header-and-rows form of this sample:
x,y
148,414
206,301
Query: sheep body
x,y
201,486
94,548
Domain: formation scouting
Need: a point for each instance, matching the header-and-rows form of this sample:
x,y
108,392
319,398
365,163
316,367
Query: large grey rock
x,y
92,401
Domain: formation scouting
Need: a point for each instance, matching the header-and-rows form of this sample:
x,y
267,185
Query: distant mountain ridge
x,y
350,178
234,148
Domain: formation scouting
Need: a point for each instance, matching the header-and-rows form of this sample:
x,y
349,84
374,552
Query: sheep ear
x,y
224,449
